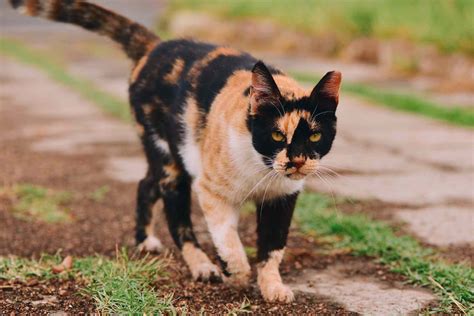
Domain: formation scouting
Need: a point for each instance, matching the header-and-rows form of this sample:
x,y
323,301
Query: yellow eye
x,y
278,137
315,137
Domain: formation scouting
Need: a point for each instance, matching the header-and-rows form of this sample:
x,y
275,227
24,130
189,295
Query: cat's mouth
x,y
296,171
295,174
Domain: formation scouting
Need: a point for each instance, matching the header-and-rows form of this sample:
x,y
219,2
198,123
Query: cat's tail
x,y
135,39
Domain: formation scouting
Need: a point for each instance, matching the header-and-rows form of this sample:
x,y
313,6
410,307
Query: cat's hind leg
x,y
147,195
173,183
176,191
148,188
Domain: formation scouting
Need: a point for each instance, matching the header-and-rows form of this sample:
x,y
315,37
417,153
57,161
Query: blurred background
x,y
404,154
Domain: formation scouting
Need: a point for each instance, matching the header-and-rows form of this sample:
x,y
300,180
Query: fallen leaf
x,y
67,263
63,266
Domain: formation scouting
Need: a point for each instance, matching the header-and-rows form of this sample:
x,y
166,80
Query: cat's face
x,y
292,135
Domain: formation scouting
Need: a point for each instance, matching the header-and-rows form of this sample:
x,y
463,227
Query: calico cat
x,y
220,121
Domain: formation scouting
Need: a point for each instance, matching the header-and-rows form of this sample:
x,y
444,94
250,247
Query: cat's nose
x,y
297,163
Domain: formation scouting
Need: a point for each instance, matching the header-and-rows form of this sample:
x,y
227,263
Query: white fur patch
x,y
151,244
269,279
161,144
222,222
191,155
256,180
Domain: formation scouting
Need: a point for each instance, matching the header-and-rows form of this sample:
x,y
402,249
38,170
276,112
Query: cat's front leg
x,y
273,222
222,220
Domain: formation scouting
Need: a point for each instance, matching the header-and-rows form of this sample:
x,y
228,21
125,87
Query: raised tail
x,y
136,40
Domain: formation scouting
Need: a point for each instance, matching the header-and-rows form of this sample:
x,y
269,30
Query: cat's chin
x,y
296,176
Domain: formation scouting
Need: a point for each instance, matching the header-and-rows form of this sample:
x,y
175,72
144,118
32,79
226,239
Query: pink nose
x,y
298,164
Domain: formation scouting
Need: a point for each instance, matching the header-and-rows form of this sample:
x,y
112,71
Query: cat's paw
x,y
239,279
277,292
201,267
206,272
151,244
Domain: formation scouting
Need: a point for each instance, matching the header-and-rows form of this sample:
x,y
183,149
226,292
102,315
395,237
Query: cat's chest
x,y
264,186
252,179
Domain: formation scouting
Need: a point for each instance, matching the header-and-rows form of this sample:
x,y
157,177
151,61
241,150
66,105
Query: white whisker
x,y
265,192
255,187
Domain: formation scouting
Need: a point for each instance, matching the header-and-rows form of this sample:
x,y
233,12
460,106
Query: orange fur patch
x,y
148,108
151,46
289,88
288,123
191,117
331,87
140,129
172,172
281,160
173,76
150,228
138,68
31,7
197,261
201,64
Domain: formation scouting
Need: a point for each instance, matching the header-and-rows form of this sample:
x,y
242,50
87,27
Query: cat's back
x,y
178,69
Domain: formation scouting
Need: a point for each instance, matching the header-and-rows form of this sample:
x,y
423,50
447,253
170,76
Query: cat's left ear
x,y
263,89
326,93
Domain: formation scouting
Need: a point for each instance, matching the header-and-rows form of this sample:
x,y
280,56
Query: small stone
x,y
47,300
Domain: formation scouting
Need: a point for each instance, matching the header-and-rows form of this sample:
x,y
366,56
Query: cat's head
x,y
292,134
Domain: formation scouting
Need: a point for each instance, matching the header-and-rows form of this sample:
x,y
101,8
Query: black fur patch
x,y
273,223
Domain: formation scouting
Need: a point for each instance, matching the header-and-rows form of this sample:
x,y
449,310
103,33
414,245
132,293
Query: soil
x,y
43,298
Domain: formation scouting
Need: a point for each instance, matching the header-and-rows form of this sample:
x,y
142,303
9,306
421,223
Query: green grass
x,y
99,194
242,309
32,202
403,102
446,24
107,102
402,254
120,286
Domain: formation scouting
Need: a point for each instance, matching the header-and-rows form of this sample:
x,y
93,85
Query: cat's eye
x,y
315,137
278,137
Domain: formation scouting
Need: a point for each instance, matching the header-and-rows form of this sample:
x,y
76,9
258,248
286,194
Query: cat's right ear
x,y
263,89
325,96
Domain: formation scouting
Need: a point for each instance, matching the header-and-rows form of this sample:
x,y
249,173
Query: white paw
x,y
277,291
206,272
151,244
